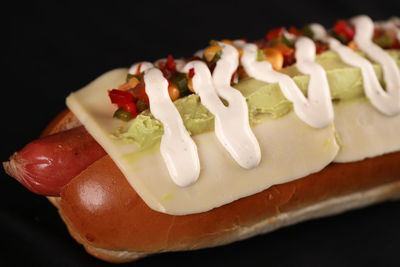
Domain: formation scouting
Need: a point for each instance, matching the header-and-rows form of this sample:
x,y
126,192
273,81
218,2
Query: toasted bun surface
x,y
106,215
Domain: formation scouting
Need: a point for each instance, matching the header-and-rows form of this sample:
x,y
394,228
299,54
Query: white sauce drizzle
x,y
177,147
143,67
317,110
387,102
239,44
232,126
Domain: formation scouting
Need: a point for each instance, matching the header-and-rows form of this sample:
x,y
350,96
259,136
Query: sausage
x,y
45,165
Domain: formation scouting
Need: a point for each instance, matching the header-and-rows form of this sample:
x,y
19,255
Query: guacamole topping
x,y
265,101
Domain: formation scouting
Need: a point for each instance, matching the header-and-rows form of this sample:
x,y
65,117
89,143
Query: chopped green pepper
x,y
308,31
216,57
122,114
260,55
141,105
180,80
384,40
130,76
286,41
213,42
339,37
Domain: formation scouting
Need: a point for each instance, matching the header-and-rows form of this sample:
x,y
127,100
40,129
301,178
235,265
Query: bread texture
x,y
325,208
105,215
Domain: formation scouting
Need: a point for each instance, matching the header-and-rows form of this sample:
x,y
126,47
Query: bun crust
x,y
104,213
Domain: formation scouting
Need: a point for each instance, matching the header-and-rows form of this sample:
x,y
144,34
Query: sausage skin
x,y
45,165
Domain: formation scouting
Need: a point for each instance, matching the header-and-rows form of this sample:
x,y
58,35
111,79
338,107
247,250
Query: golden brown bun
x,y
104,213
63,121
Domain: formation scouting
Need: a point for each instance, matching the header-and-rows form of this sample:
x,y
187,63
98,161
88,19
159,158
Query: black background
x,y
56,48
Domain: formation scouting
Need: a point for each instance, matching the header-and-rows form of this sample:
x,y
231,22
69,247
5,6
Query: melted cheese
x,y
291,149
365,132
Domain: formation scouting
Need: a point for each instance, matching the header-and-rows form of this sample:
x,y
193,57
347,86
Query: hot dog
x,y
123,227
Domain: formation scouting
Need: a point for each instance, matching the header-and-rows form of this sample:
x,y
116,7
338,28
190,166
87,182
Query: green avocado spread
x,y
265,101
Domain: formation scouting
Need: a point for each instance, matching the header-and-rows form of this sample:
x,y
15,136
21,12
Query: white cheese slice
x,y
290,150
364,132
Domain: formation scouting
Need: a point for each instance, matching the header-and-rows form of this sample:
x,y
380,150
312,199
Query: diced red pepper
x,y
320,47
131,108
161,64
120,97
191,73
288,60
343,28
194,58
171,64
168,73
124,100
275,33
168,67
293,30
139,93
286,50
396,44
378,31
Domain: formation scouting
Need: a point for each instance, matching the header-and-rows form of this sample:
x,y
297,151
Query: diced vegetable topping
x,y
137,76
168,67
260,55
343,28
320,47
285,41
125,104
284,49
308,32
180,80
173,92
170,63
120,97
384,40
121,114
213,53
274,56
295,31
141,105
139,93
277,48
274,33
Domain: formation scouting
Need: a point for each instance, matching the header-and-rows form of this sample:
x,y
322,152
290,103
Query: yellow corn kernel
x,y
133,82
190,84
226,41
352,45
173,92
123,87
274,56
211,51
128,85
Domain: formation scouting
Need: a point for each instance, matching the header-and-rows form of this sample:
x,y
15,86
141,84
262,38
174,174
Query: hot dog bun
x,y
105,215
